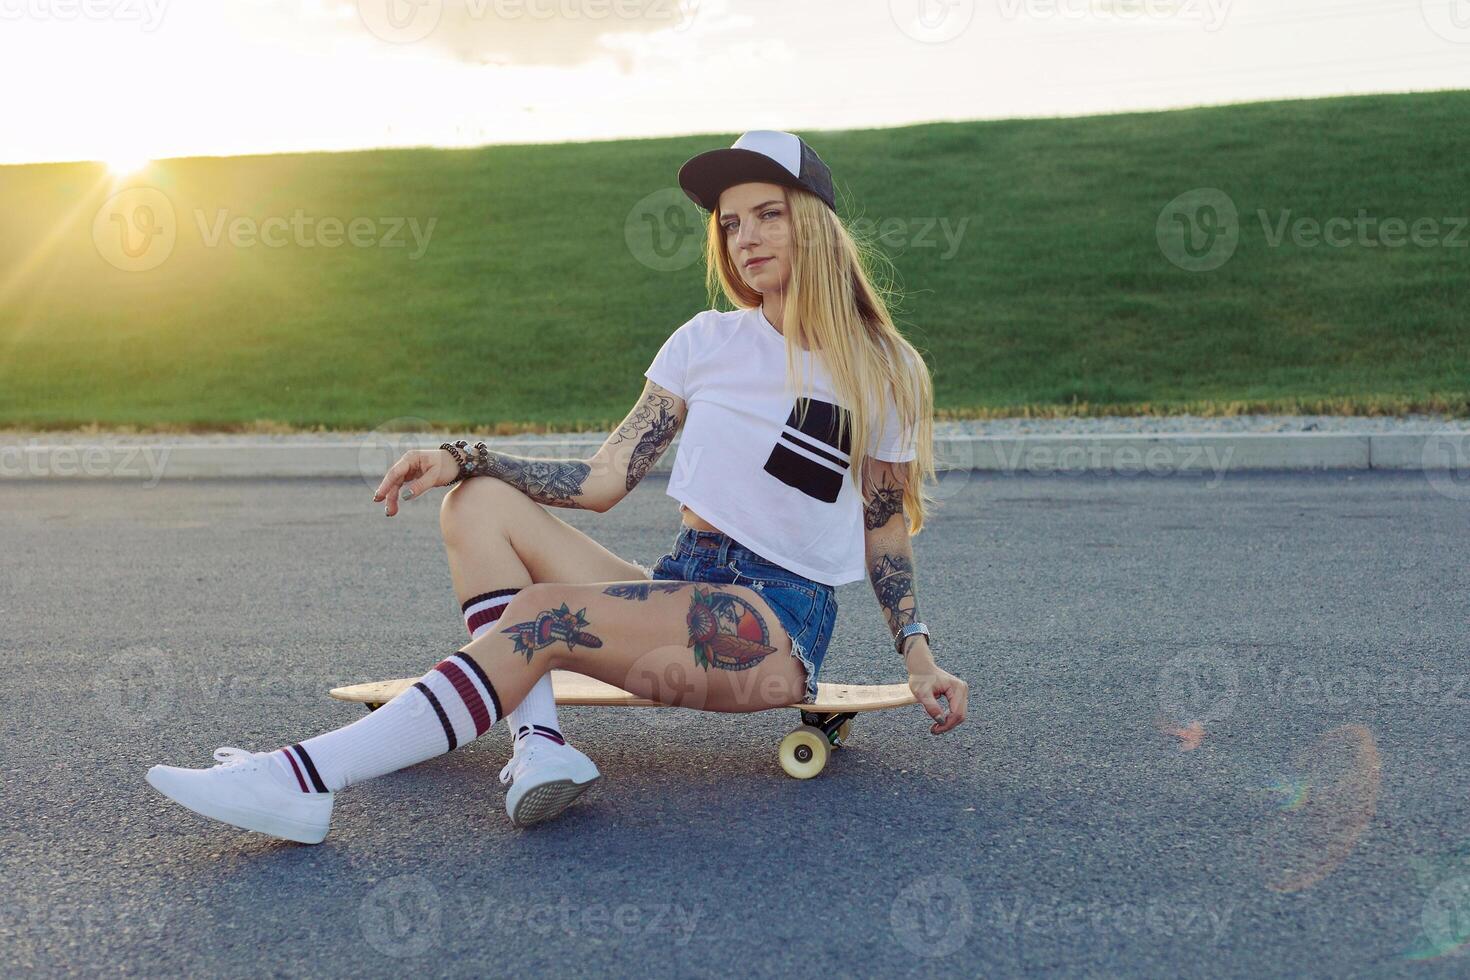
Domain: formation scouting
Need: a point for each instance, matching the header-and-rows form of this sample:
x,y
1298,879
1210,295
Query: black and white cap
x,y
759,155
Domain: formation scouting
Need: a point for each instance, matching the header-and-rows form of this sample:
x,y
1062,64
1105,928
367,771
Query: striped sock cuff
x,y
544,730
462,697
307,777
485,608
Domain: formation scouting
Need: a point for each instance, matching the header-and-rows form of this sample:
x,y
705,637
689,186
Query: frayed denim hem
x,y
811,672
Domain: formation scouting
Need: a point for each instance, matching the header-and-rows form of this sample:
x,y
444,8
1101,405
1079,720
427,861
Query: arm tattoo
x,y
893,581
652,425
887,501
892,572
558,482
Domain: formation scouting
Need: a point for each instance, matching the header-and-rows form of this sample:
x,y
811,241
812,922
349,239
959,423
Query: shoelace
x,y
230,756
519,760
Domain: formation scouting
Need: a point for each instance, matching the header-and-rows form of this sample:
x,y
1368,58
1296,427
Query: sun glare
x,y
125,166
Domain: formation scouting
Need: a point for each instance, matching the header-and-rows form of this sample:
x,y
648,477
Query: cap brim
x,y
706,176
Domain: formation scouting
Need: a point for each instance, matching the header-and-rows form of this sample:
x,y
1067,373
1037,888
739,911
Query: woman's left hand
x,y
934,683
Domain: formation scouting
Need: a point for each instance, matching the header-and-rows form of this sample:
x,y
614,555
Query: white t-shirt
x,y
743,464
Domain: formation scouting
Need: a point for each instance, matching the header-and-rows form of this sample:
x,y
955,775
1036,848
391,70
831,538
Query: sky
x,y
131,80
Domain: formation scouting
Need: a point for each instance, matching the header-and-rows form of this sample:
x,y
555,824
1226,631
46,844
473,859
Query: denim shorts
x,y
806,608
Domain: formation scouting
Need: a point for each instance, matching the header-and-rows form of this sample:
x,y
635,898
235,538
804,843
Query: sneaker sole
x,y
547,800
271,824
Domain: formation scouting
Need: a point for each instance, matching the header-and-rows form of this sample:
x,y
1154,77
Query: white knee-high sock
x,y
536,715
451,705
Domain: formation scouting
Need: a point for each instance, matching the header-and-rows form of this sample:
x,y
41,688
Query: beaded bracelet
x,y
468,467
460,460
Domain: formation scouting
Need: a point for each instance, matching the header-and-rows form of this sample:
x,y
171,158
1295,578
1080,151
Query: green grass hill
x,y
1043,267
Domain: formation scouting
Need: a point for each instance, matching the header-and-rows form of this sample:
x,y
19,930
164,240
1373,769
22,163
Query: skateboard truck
x,y
805,751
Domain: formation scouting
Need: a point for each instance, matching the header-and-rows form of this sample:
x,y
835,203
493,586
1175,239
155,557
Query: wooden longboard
x,y
826,724
578,689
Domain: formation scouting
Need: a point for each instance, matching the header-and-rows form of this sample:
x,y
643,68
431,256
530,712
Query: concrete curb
x,y
370,456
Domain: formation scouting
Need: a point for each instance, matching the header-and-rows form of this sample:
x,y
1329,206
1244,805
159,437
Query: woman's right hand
x,y
930,683
422,470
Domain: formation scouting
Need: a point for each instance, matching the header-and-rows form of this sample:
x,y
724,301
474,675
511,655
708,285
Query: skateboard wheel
x,y
843,731
804,752
372,706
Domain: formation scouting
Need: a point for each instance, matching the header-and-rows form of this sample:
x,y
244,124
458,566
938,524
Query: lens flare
x,y
1325,805
1293,791
1189,735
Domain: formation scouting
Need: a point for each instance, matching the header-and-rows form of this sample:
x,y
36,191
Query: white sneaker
x,y
248,790
546,777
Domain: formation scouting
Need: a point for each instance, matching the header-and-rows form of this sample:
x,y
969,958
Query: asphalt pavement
x,y
1218,728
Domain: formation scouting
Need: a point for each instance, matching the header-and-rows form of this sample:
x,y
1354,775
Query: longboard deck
x,y
578,689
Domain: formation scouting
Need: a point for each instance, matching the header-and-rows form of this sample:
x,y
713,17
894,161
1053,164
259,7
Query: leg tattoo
x,y
639,590
726,631
551,625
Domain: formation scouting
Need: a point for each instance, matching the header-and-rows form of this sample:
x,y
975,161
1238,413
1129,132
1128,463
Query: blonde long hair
x,y
833,307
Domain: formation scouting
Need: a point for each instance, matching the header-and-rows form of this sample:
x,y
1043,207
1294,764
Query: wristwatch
x,y
912,629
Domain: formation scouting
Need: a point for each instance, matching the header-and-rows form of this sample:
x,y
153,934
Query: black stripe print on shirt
x,y
817,470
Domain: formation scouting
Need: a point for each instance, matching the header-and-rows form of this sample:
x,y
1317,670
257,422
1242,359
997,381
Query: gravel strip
x,y
977,427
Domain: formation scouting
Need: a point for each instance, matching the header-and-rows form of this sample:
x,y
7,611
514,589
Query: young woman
x,y
737,617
